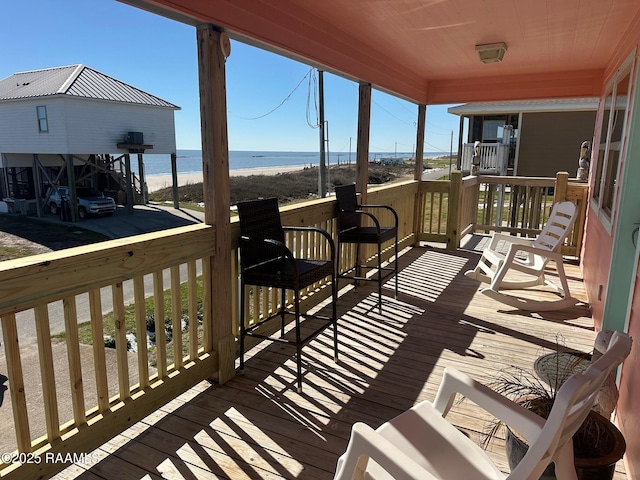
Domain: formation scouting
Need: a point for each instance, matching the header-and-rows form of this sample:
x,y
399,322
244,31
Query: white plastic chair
x,y
494,265
420,444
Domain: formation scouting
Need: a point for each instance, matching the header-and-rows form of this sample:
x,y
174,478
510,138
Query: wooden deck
x,y
257,426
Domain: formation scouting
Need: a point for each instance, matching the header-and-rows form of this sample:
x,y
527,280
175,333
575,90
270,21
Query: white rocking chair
x,y
421,444
494,265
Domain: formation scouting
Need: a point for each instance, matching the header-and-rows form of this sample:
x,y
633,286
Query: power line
x,y
447,134
413,124
437,149
281,103
312,83
394,116
403,105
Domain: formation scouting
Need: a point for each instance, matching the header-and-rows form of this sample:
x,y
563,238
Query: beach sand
x,y
156,182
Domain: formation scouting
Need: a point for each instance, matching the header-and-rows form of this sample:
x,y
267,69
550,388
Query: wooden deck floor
x,y
257,426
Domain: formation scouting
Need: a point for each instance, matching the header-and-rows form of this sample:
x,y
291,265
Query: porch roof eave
x,y
428,58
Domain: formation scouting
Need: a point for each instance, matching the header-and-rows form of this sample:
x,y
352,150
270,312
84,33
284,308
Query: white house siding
x,y
81,126
19,121
97,126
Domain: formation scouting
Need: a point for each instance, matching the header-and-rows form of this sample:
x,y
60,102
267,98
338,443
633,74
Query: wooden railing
x,y
322,214
91,393
115,387
450,209
168,274
513,204
432,210
493,158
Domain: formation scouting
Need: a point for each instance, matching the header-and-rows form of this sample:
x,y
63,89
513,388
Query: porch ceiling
x,y
424,50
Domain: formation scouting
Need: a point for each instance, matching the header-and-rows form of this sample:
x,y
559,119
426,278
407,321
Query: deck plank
x,y
257,427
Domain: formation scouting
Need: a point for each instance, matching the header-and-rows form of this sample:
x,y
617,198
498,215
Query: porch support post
x,y
560,189
143,181
217,197
129,183
460,141
4,165
417,174
453,217
37,181
364,127
73,197
174,181
422,114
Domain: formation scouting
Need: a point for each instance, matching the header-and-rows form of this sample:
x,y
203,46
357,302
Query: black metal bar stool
x,y
266,261
351,231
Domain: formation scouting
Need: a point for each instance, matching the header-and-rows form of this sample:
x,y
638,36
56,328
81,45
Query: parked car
x,y
90,201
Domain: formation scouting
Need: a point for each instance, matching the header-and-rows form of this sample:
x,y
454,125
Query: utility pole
x,y
322,171
450,154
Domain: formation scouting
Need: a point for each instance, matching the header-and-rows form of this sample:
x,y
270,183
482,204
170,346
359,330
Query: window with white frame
x,y
43,125
490,130
610,144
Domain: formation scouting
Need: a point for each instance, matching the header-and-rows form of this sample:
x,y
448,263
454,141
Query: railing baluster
x,y
526,207
431,206
159,320
99,358
490,209
274,295
264,299
73,354
253,293
176,316
207,304
47,372
510,203
16,382
192,288
141,331
443,206
121,341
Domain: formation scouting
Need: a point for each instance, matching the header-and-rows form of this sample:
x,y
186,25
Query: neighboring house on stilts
x,y
74,126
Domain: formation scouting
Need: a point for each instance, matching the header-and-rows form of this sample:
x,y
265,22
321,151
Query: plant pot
x,y
598,468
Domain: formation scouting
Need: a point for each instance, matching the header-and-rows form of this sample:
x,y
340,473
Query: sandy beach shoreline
x,y
157,182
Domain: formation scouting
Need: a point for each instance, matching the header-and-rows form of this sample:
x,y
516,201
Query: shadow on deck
x,y
257,426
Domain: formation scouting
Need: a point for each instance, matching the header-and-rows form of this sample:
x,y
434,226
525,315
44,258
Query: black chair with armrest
x,y
266,261
352,231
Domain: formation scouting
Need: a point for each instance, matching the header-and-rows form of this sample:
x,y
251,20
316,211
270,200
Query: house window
x,y
42,119
610,145
602,144
490,130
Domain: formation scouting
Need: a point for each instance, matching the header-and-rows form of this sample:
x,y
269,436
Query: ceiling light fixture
x,y
491,52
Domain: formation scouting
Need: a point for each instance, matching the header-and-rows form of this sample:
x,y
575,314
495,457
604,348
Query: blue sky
x,y
158,55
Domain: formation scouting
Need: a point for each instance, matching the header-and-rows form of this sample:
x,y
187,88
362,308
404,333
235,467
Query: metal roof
x,y
527,106
76,81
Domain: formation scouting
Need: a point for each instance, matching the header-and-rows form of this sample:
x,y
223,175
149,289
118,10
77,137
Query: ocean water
x,y
190,161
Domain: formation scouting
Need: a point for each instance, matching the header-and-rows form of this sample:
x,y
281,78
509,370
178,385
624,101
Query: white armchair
x,y
420,444
529,257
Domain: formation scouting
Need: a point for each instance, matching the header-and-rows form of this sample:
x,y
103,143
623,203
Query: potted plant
x,y
597,444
